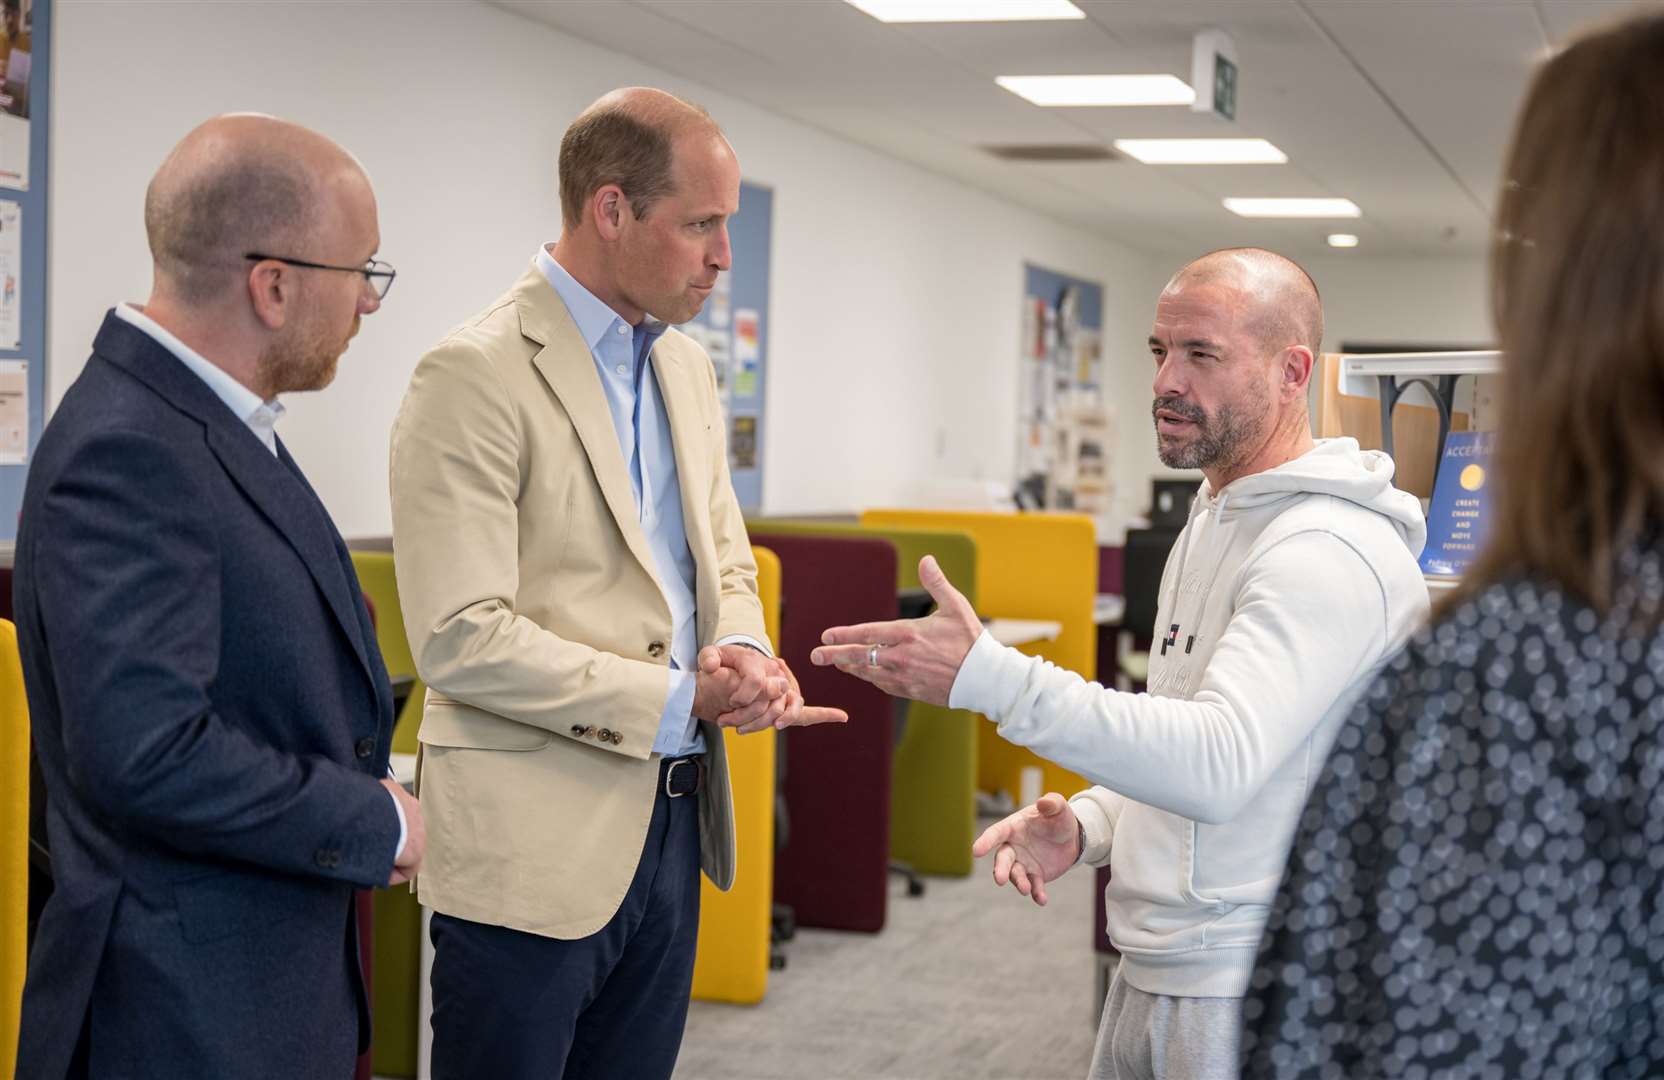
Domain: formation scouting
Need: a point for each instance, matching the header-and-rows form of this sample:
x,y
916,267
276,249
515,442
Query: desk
x,y
1108,608
1023,631
404,771
404,768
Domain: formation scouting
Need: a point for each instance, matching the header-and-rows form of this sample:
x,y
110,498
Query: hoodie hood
x,y
1333,467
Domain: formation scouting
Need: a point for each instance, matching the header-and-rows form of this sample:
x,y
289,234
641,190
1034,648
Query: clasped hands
x,y
736,686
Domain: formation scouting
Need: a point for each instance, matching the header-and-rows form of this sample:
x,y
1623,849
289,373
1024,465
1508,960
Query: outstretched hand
x,y
911,658
1035,845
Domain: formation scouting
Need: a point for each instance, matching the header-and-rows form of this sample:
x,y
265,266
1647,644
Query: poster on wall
x,y
1065,427
14,412
732,328
11,270
16,42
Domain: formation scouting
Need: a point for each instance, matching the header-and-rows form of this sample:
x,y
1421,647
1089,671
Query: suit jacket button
x,y
589,732
617,737
605,735
655,649
366,746
577,731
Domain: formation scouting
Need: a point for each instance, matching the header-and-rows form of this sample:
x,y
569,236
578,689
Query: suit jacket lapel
x,y
346,599
690,437
279,492
567,365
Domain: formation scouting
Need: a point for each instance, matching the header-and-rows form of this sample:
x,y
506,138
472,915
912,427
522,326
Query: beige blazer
x,y
536,619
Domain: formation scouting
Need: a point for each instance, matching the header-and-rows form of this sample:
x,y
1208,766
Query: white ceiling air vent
x,y
1051,152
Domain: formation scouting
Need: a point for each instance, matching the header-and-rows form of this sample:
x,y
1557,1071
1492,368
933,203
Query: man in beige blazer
x,y
581,601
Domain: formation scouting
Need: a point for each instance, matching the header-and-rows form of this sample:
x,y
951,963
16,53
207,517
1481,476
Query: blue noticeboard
x,y
24,120
1460,510
733,328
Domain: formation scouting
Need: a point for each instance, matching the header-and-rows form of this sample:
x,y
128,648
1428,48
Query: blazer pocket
x,y
451,723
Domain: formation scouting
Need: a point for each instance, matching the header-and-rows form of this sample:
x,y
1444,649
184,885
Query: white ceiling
x,y
1403,106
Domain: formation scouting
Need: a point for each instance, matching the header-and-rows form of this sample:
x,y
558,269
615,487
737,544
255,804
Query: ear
x,y
271,292
1296,370
607,208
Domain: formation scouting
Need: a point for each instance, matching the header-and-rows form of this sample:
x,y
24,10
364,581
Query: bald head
x,y
1280,305
239,184
628,138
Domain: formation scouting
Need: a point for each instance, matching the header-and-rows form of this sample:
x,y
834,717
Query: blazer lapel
x,y
279,492
567,365
691,439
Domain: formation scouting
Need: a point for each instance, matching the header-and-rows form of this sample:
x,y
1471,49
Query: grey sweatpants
x,y
1154,1037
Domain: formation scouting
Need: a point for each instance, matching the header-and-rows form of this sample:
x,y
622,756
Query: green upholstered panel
x,y
375,577
933,786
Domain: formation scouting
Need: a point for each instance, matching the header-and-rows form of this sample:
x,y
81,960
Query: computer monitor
x,y
1170,502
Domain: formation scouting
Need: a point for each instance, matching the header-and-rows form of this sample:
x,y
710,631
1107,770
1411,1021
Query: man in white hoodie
x,y
1294,579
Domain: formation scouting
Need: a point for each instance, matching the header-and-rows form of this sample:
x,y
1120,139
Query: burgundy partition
x,y
834,867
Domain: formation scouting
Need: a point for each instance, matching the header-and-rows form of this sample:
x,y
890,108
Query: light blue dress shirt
x,y
260,416
621,353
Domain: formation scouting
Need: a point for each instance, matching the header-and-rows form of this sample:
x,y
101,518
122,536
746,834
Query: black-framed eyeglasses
x,y
378,274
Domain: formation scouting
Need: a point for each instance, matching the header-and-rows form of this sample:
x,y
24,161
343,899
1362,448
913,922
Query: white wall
x,y
895,303
1415,301
895,292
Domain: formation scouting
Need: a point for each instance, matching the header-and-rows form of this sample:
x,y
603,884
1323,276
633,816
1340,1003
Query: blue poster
x,y
733,328
1063,425
1460,510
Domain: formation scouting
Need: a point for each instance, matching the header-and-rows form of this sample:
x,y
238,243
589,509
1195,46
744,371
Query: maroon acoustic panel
x,y
834,867
1100,916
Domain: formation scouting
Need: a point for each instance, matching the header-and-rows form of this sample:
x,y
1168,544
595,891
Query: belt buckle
x,y
670,773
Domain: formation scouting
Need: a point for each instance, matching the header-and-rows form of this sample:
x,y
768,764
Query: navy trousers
x,y
509,1005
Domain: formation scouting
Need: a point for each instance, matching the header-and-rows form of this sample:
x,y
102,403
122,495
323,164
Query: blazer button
x,y
577,731
605,735
617,737
366,746
329,860
656,649
589,732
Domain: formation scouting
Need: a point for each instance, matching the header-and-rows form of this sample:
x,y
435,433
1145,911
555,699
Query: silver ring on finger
x,y
872,655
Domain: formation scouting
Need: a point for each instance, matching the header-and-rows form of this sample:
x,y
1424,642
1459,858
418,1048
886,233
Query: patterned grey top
x,y
1475,886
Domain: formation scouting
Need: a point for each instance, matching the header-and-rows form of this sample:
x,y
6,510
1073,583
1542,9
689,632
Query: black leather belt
x,y
683,776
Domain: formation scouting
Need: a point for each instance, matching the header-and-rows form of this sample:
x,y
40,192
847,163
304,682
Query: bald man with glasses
x,y
211,712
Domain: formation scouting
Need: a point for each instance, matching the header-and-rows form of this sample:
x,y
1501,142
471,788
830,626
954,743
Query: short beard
x,y
303,360
1221,440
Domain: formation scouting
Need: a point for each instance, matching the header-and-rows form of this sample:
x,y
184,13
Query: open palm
x,y
1035,845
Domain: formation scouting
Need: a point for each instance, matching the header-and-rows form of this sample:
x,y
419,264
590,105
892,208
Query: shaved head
x,y
627,137
1281,304
239,184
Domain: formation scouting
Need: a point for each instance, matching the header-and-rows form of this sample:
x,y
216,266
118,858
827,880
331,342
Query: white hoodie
x,y
1282,595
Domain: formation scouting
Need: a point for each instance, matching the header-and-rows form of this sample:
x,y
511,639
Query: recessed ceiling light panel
x,y
1079,91
1342,240
919,11
1294,208
1202,151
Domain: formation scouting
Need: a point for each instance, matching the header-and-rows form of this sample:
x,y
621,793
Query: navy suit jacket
x,y
211,715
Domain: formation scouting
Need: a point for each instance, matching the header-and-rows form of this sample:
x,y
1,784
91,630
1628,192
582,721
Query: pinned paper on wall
x,y
11,274
719,344
747,339
742,443
747,349
14,412
722,300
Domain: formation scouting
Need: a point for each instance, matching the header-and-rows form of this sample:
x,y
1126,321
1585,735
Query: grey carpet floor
x,y
969,982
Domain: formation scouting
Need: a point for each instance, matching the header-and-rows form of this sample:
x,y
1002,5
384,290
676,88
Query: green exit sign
x,y
1224,87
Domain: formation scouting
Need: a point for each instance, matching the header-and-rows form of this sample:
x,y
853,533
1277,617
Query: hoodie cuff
x,y
990,678
1096,830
